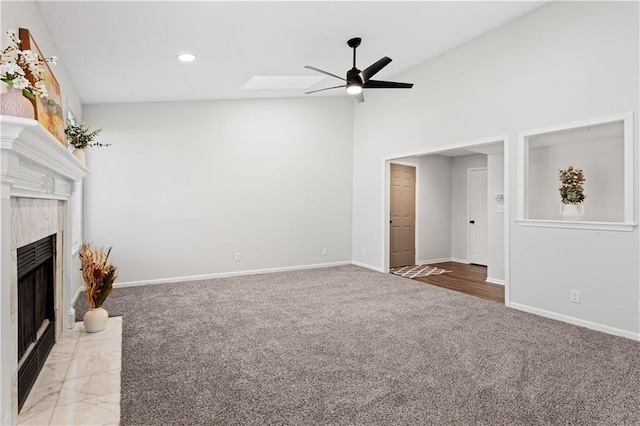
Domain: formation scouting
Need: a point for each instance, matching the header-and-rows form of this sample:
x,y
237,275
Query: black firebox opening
x,y
36,311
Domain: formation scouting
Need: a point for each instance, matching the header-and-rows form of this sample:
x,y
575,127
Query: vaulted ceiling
x,y
126,51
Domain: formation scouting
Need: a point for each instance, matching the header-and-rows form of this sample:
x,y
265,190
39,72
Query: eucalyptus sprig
x,y
572,185
80,136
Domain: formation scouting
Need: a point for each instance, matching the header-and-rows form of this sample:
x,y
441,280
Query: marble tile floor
x,y
80,381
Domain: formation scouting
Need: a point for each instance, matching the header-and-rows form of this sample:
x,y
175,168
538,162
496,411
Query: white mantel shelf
x,y
33,164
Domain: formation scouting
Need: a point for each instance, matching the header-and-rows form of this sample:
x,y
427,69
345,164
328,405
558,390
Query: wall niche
x,y
602,148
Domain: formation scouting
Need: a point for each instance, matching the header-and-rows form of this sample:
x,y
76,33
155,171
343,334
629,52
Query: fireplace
x,y
36,311
38,179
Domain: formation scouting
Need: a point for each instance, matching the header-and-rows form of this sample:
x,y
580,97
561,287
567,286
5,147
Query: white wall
x,y
495,219
186,185
459,203
563,62
25,14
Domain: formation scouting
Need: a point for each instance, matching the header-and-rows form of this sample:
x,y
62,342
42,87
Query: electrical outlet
x,y
237,257
575,296
364,252
325,252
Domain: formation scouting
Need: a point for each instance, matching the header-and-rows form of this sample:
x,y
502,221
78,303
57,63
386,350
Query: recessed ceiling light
x,y
281,82
186,57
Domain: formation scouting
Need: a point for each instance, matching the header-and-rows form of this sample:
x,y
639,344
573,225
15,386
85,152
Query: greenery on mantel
x,y
80,136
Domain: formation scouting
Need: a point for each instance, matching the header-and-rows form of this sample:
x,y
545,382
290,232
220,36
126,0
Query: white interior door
x,y
477,202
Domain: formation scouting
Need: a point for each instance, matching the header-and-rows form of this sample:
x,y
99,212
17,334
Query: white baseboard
x,y
577,321
227,274
366,265
75,297
465,261
71,313
432,261
495,281
71,318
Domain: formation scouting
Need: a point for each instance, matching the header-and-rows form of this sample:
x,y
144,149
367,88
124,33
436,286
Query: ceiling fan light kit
x,y
357,80
354,89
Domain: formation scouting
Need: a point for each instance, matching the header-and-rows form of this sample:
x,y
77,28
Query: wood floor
x,y
467,279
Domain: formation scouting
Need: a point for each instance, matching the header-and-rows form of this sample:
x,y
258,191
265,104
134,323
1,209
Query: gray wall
x,y
563,62
187,185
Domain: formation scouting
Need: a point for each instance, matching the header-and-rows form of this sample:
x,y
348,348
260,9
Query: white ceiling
x,y
125,51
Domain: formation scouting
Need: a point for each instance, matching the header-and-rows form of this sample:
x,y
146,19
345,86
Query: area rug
x,y
415,271
347,345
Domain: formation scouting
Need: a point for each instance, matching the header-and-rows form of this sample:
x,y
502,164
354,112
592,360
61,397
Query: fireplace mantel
x,y
33,164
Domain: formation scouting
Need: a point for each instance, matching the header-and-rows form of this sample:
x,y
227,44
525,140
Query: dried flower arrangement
x,y
98,275
572,186
80,136
16,65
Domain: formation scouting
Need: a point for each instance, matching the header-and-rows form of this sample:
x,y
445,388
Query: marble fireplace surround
x,y
38,177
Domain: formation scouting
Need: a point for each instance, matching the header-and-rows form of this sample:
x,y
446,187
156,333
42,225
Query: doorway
x,y
402,215
442,228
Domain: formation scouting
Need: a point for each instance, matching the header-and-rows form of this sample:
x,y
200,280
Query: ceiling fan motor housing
x,y
353,76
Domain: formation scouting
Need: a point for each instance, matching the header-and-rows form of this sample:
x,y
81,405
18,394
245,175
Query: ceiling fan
x,y
357,80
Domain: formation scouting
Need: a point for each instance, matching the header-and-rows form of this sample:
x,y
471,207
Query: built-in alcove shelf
x,y
603,148
570,224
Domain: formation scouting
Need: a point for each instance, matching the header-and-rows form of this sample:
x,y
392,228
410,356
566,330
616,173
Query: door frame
x,y
386,175
388,208
469,170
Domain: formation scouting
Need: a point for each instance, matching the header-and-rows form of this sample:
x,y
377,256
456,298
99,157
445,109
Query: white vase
x,y
14,103
80,155
95,319
571,211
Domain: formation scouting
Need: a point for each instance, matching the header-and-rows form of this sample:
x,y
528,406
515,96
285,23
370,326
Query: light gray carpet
x,y
347,345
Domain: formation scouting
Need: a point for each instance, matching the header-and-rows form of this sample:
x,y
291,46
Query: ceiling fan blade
x,y
323,72
327,88
377,84
359,97
373,69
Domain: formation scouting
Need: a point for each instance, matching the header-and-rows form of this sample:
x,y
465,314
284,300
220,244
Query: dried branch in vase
x,y
98,275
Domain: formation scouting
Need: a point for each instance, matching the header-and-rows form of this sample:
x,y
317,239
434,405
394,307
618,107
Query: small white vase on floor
x,y
14,103
571,211
95,319
80,155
